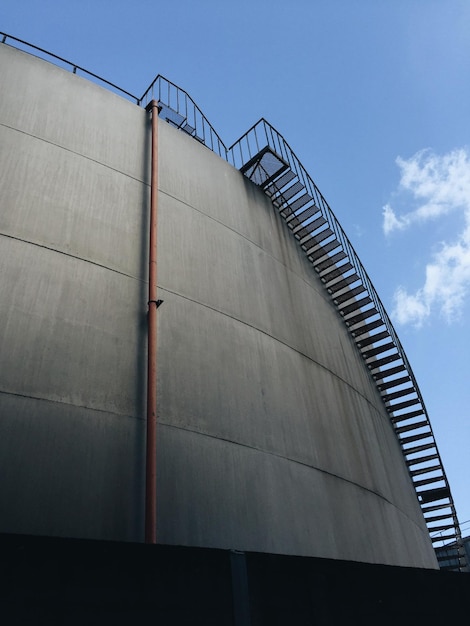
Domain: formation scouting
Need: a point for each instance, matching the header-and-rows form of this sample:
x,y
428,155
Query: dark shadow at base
x,y
70,581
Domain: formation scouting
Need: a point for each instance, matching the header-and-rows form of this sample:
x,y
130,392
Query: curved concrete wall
x,y
72,305
272,436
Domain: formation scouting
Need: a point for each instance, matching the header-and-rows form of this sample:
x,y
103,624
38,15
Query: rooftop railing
x,y
180,110
177,106
19,44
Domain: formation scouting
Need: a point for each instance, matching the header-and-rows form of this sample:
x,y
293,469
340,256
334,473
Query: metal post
x,y
151,463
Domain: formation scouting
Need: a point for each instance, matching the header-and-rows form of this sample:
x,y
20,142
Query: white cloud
x,y
391,221
438,185
410,308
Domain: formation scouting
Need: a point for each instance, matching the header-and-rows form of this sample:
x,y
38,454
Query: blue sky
x,y
374,98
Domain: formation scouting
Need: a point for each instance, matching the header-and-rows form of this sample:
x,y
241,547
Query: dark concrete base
x,y
68,581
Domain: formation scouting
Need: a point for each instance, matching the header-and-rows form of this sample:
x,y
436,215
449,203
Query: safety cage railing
x,y
180,110
263,155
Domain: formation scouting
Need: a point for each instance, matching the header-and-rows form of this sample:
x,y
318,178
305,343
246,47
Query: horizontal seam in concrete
x,y
79,154
320,291
260,330
77,406
72,256
296,461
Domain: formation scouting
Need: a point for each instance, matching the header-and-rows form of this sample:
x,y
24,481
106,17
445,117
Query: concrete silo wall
x,y
72,305
272,436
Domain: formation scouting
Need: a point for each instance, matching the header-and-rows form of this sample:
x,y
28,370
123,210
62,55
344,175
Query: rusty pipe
x,y
151,446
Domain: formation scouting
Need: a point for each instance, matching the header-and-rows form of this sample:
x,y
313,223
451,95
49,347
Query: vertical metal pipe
x,y
151,461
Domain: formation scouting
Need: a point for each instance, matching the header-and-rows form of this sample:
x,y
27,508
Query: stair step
x,y
286,194
340,284
306,235
435,507
385,347
333,274
414,438
313,242
354,306
443,527
415,426
322,250
366,328
277,184
425,470
380,376
421,448
403,405
373,365
452,538
360,317
301,232
428,481
421,459
349,294
294,222
306,213
367,341
294,206
330,260
406,416
394,383
398,394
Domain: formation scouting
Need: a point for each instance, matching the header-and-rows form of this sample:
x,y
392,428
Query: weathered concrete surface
x,y
72,304
272,436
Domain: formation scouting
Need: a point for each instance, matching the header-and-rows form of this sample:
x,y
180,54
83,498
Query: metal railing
x,y
20,44
180,110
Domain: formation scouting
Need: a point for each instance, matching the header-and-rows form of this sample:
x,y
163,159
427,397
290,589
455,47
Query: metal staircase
x,y
265,158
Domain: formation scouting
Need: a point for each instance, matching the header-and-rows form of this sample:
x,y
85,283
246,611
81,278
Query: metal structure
x,y
20,44
265,158
180,110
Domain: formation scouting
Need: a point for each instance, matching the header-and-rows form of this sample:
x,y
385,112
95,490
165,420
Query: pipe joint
x,y
153,104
